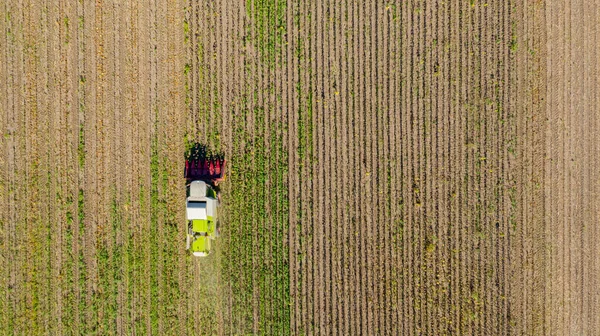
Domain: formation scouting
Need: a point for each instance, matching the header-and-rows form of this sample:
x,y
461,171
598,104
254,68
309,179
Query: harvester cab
x,y
202,177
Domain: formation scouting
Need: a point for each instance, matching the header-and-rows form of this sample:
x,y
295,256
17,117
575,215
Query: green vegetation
x,y
81,261
269,27
255,259
156,209
109,266
67,271
66,23
514,44
164,241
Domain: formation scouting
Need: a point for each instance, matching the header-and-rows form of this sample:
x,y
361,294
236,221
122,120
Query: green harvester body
x,y
201,213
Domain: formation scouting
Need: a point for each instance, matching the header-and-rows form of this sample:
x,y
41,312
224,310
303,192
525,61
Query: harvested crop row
x,y
570,196
448,69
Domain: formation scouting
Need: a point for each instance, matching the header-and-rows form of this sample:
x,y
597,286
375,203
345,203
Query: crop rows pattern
x,y
394,168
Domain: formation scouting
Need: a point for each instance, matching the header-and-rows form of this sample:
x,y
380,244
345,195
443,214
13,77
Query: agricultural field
x,y
394,168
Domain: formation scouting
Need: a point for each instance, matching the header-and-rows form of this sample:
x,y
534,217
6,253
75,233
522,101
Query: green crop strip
x,y
81,261
255,260
104,285
237,261
140,252
260,219
269,21
67,270
81,147
170,285
126,261
305,151
152,244
4,307
109,266
281,311
164,281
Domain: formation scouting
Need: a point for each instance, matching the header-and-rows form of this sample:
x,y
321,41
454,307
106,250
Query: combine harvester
x,y
202,175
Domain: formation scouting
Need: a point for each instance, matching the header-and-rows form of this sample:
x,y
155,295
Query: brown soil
x,y
571,177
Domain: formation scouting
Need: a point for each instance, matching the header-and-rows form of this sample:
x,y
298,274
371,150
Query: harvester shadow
x,y
201,152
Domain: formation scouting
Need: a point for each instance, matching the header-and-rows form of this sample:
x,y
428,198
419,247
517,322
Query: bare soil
x,y
571,179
